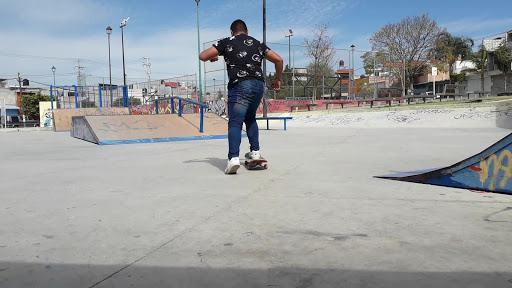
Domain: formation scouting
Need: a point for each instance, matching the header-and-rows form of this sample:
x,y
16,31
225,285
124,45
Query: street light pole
x,y
289,47
289,54
53,70
352,79
264,62
214,89
123,24
374,75
199,52
109,31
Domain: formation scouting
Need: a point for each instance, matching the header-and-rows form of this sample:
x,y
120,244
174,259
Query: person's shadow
x,y
216,162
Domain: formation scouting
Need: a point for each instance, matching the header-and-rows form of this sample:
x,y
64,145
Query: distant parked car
x,y
20,121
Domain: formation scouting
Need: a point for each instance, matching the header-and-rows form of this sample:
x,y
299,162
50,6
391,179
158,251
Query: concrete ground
x,y
74,214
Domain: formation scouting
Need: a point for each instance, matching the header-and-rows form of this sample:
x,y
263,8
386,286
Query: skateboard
x,y
256,164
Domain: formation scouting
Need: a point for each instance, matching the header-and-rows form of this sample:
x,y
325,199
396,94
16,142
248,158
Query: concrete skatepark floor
x,y
75,214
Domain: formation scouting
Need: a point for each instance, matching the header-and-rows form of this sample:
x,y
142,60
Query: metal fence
x,y
343,81
181,86
72,97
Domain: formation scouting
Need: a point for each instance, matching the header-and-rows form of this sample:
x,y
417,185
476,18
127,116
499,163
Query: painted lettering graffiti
x,y
498,164
473,114
218,107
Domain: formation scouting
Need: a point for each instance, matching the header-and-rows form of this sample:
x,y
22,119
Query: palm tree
x,y
480,60
449,48
503,58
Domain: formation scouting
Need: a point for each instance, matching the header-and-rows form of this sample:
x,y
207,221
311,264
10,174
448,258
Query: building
x,y
11,94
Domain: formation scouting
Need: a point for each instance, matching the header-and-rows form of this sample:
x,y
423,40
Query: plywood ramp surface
x,y
213,123
63,117
129,127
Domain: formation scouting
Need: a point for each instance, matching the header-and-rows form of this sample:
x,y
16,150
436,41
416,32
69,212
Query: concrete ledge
x,y
28,129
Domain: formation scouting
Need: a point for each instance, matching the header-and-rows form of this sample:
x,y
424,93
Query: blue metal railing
x,y
180,108
88,93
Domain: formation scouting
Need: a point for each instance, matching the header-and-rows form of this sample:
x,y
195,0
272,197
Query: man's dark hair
x,y
238,26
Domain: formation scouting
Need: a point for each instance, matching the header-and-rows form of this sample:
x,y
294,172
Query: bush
x,y
30,104
458,77
132,101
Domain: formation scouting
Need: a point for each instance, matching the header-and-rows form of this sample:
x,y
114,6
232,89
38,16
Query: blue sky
x,y
37,34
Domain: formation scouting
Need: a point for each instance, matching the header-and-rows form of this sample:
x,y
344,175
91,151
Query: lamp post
x,y
123,24
289,36
109,31
264,68
199,52
214,92
53,70
352,80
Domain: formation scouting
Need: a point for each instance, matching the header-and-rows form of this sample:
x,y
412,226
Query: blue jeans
x,y
243,102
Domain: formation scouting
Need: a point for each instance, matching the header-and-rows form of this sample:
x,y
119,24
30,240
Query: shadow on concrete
x,y
46,275
504,117
215,162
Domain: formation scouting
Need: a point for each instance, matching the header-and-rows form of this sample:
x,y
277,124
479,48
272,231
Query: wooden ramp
x,y
127,129
63,117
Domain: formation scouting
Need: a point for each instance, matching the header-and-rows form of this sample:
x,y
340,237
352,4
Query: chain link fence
x,y
345,79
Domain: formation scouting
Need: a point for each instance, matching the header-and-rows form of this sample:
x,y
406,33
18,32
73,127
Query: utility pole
x,y
80,76
147,64
79,80
22,112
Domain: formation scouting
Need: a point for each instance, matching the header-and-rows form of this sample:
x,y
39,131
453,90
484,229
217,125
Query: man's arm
x,y
278,62
210,54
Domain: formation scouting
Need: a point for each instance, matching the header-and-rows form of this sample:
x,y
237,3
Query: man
x,y
243,55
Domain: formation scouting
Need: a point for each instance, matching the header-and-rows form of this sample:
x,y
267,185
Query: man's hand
x,y
214,59
276,84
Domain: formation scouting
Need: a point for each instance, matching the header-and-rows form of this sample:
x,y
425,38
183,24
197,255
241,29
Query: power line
x,y
489,36
34,56
102,64
40,83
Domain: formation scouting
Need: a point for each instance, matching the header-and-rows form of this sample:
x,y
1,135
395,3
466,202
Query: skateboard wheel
x,y
265,166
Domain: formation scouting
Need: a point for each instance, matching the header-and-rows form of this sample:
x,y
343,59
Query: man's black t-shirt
x,y
243,55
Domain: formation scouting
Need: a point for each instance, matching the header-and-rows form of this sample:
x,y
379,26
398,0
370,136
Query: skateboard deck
x,y
256,164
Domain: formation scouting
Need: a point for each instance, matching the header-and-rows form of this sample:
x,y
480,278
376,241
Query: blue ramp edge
x,y
159,140
489,170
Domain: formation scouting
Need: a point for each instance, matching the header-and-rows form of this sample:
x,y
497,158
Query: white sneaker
x,y
233,165
253,155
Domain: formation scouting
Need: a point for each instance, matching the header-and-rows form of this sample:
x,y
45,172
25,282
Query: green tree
x,y
87,103
368,61
364,86
286,82
503,59
30,104
449,48
479,59
132,101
